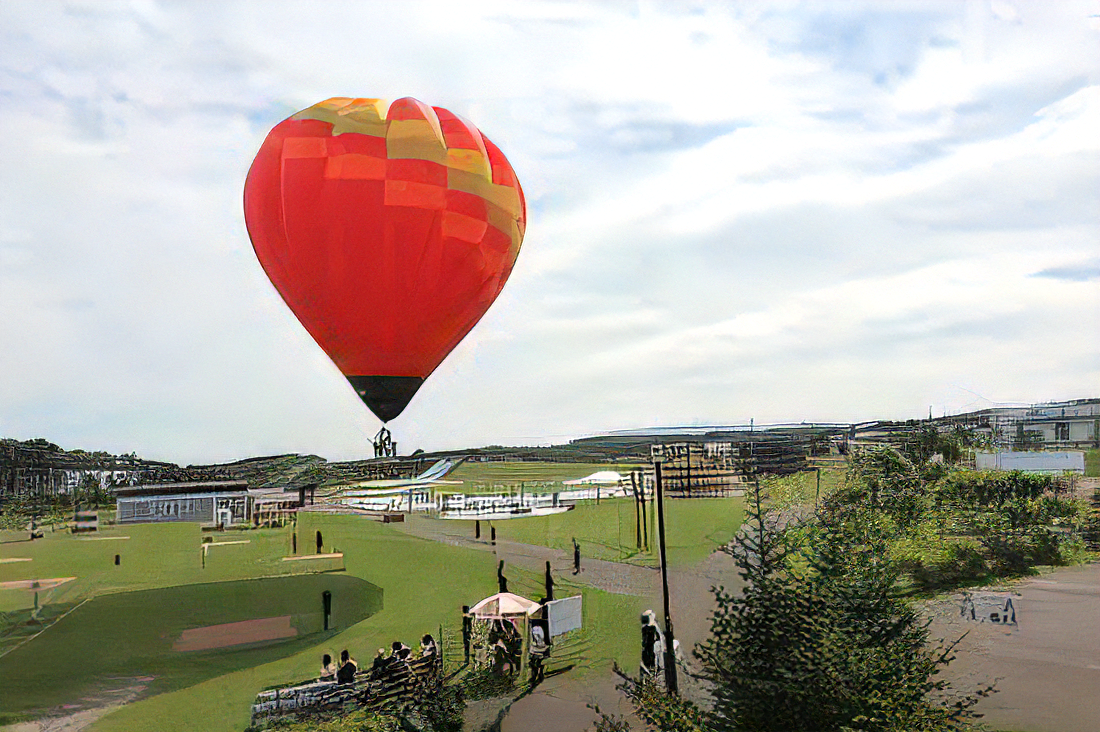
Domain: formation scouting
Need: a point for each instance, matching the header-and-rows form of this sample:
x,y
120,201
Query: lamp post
x,y
670,653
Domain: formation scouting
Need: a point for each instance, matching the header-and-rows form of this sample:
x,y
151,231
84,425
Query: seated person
x,y
379,663
400,651
348,667
427,645
328,668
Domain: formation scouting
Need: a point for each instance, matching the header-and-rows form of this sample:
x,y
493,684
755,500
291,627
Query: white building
x,y
222,502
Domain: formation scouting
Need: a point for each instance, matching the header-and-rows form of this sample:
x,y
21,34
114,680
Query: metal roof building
x,y
222,502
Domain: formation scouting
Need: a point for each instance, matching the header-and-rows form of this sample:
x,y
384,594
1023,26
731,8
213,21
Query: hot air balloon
x,y
388,233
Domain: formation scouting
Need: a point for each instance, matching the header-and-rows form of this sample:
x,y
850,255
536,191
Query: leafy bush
x,y
949,564
985,488
829,649
883,479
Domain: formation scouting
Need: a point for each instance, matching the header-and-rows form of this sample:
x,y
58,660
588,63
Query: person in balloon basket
x,y
346,673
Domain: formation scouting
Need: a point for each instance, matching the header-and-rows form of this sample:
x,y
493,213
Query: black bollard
x,y
326,602
477,529
493,534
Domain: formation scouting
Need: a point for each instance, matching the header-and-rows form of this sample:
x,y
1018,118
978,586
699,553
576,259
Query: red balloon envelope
x,y
388,233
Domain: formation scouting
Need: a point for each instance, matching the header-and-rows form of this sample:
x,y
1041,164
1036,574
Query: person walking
x,y
576,556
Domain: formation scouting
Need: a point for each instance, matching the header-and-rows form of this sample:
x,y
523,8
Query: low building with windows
x,y
216,503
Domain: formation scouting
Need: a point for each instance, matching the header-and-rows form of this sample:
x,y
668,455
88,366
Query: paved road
x,y
1048,666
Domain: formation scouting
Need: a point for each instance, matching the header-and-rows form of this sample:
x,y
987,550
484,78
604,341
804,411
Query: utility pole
x,y
670,654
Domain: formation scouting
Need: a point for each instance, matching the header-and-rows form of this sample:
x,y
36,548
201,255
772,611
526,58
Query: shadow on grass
x,y
143,638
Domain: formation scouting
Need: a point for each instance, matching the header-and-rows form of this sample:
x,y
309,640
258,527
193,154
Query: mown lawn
x,y
150,556
131,634
608,530
424,585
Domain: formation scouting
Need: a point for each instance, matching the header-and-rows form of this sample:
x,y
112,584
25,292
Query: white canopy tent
x,y
604,477
504,605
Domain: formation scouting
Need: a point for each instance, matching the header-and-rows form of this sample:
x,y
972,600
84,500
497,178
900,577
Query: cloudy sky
x,y
770,211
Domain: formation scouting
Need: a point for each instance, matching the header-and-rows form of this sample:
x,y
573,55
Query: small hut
x,y
500,630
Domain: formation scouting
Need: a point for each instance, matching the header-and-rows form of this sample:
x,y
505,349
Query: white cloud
x,y
770,210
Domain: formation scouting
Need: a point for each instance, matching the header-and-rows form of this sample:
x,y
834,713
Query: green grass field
x,y
694,529
150,556
424,585
132,634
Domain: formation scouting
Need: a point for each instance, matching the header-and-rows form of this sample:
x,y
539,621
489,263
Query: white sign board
x,y
564,615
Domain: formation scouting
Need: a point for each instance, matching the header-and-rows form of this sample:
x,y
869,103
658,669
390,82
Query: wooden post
x,y
637,514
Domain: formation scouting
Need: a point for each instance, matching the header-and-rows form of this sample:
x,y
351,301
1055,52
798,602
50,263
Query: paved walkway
x,y
1047,667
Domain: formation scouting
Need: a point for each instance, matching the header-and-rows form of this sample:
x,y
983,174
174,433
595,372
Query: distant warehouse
x,y
1071,461
220,502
